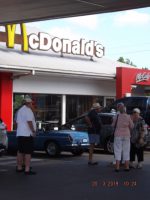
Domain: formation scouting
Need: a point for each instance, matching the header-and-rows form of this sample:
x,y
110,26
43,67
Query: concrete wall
x,y
63,85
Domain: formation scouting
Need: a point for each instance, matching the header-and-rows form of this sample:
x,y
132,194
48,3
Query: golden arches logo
x,y
11,32
44,42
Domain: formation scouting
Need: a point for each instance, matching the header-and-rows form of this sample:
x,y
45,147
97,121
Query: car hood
x,y
75,134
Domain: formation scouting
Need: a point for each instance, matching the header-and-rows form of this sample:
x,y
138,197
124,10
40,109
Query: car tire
x,y
52,149
109,146
77,152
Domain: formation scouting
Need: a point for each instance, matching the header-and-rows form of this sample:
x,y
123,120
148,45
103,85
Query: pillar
x,y
63,109
6,97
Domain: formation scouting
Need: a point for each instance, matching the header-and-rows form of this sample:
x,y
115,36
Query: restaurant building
x,y
63,85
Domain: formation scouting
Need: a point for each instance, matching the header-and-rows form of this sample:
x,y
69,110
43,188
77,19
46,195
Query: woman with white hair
x,y
122,123
137,139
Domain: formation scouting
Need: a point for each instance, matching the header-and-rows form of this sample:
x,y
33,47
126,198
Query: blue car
x,y
80,124
54,142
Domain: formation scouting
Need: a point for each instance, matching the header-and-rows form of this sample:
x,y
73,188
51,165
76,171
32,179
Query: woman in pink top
x,y
123,124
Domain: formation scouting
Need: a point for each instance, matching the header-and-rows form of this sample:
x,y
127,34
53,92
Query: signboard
x,y
144,76
44,42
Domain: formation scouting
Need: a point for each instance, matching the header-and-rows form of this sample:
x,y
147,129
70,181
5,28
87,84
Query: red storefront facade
x,y
6,98
129,78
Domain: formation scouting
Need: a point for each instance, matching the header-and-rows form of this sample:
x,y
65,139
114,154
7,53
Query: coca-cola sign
x,y
142,77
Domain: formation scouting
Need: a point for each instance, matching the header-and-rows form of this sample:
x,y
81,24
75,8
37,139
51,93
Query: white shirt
x,y
25,115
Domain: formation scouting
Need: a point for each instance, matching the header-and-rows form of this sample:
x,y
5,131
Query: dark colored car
x,y
3,148
55,141
3,138
143,103
106,142
79,124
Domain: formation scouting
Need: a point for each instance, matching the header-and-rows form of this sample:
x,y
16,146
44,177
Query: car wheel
x,y
109,146
77,152
52,149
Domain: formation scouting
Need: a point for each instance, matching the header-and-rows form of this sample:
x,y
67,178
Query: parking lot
x,y
70,178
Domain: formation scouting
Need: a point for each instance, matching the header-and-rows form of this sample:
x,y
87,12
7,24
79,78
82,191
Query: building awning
x,y
30,10
50,63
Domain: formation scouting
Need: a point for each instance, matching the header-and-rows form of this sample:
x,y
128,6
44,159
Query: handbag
x,y
113,133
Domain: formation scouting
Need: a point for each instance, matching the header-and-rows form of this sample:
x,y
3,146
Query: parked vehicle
x,y
143,103
54,142
79,124
3,137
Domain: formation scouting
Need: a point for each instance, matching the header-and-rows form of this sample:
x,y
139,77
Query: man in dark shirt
x,y
94,129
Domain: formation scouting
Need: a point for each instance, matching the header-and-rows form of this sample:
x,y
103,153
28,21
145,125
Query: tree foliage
x,y
18,101
127,61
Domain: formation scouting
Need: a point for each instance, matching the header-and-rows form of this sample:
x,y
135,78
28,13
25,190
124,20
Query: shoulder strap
x,y
116,122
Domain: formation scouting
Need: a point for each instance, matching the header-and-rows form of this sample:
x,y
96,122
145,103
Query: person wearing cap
x,y
26,130
137,139
122,123
94,128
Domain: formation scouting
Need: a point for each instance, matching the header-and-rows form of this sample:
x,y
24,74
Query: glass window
x,y
47,107
78,105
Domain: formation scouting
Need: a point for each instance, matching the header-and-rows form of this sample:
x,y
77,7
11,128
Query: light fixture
x,y
133,86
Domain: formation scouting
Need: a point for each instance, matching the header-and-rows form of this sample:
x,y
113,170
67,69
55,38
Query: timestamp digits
x,y
113,183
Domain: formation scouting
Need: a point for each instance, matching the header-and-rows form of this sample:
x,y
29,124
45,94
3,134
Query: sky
x,y
123,34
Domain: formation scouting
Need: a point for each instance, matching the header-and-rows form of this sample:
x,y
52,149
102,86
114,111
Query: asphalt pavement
x,y
70,178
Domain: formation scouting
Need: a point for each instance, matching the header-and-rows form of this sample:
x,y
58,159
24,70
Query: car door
x,y
106,129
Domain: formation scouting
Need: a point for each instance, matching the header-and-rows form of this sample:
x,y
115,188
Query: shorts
x,y
94,139
25,144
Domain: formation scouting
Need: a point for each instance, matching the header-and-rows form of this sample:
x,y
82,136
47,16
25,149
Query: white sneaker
x,y
132,165
139,165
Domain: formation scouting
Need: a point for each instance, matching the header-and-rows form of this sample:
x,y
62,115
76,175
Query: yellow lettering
x,y
25,46
11,29
10,35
